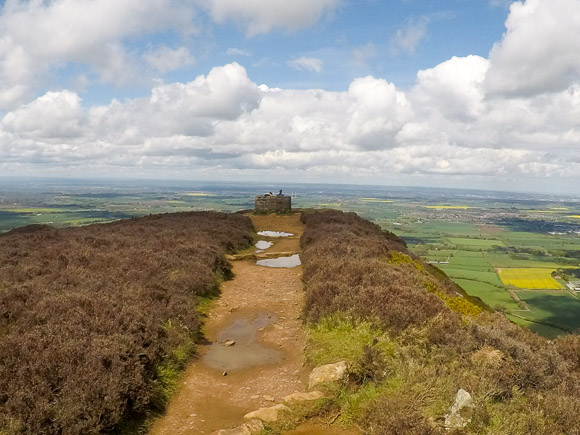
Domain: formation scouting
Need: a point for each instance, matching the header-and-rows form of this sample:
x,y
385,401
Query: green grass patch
x,y
338,337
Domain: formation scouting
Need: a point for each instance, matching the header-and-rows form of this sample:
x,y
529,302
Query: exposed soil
x,y
207,400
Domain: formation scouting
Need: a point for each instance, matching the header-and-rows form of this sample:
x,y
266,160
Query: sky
x,y
478,94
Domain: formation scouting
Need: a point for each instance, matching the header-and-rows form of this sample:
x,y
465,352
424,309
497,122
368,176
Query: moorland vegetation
x,y
96,321
413,340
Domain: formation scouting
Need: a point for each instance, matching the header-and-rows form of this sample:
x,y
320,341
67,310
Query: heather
x,y
96,321
412,339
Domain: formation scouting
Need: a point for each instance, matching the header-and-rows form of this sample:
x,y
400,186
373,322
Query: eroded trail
x,y
259,310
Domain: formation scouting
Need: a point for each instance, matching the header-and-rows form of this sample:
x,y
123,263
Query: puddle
x,y
274,234
247,351
263,245
287,262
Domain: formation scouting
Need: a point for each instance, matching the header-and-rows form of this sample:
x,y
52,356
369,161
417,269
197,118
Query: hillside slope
x,y
96,321
412,342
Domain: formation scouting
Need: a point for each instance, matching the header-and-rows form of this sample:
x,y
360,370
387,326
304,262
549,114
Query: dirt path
x,y
260,310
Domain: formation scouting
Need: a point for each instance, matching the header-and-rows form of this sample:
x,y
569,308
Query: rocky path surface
x,y
259,310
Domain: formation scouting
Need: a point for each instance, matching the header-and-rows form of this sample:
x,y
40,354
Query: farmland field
x,y
553,307
467,234
496,297
529,278
478,243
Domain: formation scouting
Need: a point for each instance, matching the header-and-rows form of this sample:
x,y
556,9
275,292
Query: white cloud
x,y
259,16
453,88
539,51
408,38
462,120
306,64
179,109
37,36
165,59
225,123
55,115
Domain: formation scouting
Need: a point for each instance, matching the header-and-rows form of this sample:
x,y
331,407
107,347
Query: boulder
x,y
327,373
304,397
270,415
461,411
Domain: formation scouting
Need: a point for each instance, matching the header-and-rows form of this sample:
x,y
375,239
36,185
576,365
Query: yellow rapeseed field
x,y
448,207
530,278
375,200
198,194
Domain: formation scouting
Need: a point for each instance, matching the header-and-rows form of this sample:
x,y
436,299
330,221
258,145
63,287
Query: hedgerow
x,y
94,321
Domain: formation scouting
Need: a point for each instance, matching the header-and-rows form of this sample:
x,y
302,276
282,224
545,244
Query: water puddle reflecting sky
x,y
247,351
262,245
274,234
287,262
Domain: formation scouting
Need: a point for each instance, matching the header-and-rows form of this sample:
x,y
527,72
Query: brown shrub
x,y
346,268
89,314
395,415
521,382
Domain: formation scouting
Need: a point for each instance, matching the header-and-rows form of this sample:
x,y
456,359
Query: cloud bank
x,y
513,115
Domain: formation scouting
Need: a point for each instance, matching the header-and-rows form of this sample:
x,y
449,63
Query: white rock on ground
x,y
270,415
304,397
327,373
461,411
251,427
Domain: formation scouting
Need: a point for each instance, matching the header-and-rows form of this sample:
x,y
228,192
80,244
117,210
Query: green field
x,y
558,308
479,243
474,251
475,234
473,275
494,296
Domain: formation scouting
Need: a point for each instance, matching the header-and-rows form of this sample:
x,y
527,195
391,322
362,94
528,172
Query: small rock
x,y
254,426
225,373
461,411
269,415
327,373
251,427
241,430
254,396
228,343
302,397
268,398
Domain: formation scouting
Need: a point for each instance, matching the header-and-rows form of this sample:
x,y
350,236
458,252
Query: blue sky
x,y
457,93
355,40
